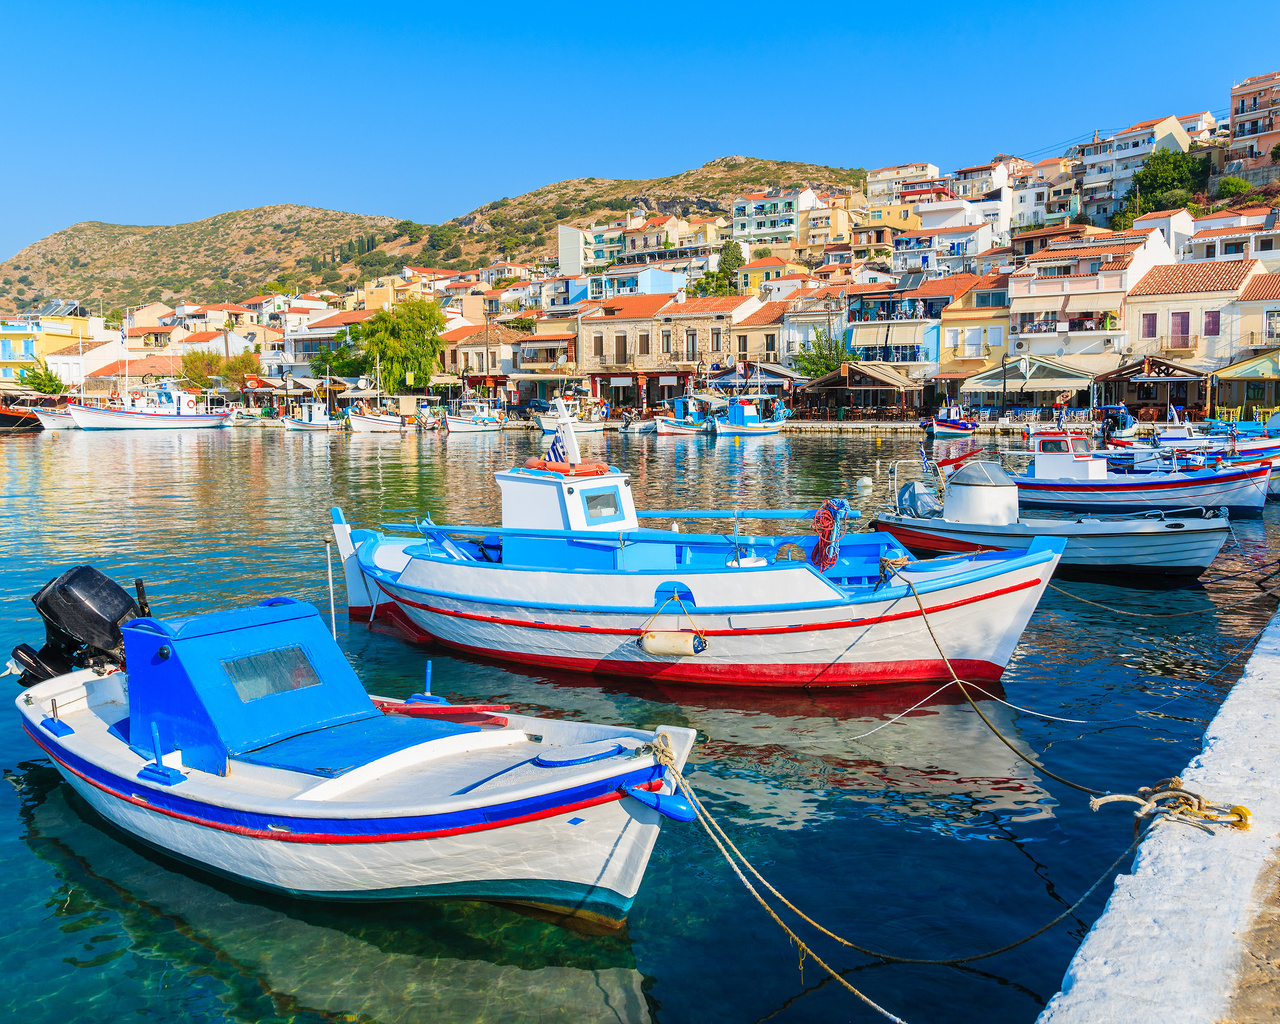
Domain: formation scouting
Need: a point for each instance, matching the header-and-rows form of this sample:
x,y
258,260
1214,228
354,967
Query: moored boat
x,y
311,416
55,419
377,423
951,421
570,580
585,420
689,414
163,406
750,415
475,416
980,511
242,742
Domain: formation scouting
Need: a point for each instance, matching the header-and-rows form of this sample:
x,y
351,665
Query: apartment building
x,y
596,245
1184,311
1255,104
1131,147
771,217
884,184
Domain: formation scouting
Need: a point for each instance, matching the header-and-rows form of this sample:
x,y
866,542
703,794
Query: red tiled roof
x,y
258,298
1071,254
1182,278
1262,287
1244,211
767,261
461,333
344,319
78,347
704,307
769,313
1243,229
158,364
634,307
562,336
1155,214
142,332
200,337
955,285
223,307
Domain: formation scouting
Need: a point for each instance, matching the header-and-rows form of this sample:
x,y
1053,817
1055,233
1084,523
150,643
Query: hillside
x,y
217,259
232,255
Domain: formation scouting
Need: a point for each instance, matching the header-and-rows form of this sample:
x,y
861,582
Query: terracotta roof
x,y
461,333
142,332
955,285
996,250
343,319
1071,254
258,298
766,261
795,277
78,347
498,335
223,307
633,307
1244,211
563,336
769,313
1145,124
1156,214
200,337
158,364
702,307
1065,231
1243,229
1262,287
995,279
1181,278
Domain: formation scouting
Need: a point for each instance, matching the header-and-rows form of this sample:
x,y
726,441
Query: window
x,y
993,299
1148,325
954,334
643,346
742,344
1255,391
995,336
260,675
1232,247
620,348
691,344
1179,324
453,357
1266,244
875,214
973,343
1210,251
715,339
1273,324
1095,266
771,343
666,342
1211,323
601,506
597,345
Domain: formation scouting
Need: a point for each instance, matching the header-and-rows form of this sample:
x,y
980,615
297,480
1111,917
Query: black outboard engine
x,y
83,611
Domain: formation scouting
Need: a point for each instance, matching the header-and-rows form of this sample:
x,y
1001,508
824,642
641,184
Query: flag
x,y
557,451
924,457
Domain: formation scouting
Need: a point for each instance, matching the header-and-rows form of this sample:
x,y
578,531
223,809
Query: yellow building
x,y
25,340
898,215
975,329
752,275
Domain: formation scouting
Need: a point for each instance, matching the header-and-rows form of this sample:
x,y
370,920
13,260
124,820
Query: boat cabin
x,y
316,413
689,409
266,685
165,398
742,412
1061,455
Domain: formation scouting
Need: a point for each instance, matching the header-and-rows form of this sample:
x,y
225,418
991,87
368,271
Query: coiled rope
x,y
829,524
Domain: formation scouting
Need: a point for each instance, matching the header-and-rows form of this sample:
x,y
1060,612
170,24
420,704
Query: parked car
x,y
530,408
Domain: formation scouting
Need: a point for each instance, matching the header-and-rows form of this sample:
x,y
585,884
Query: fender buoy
x,y
502,417
191,403
568,468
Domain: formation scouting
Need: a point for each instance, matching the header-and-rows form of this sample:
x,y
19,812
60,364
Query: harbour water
x,y
927,838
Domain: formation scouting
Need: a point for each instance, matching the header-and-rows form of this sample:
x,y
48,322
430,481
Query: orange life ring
x,y
114,396
568,468
502,417
132,394
191,403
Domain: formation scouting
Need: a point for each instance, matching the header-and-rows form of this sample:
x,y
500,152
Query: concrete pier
x,y
1187,938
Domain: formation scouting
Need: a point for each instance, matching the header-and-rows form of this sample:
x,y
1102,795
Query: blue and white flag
x,y
557,453
924,457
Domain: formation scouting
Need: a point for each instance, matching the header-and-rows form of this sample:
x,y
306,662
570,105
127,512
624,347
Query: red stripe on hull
x,y
914,540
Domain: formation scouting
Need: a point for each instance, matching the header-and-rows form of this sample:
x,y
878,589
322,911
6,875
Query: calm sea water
x,y
928,838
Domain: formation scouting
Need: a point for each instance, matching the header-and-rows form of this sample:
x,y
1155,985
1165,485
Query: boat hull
x,y
362,424
550,424
1242,492
762,643
294,424
675,428
526,858
51,420
746,430
950,428
1161,547
467,425
640,427
90,418
14,420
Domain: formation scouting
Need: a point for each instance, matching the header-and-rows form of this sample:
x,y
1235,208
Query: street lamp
x,y
1004,383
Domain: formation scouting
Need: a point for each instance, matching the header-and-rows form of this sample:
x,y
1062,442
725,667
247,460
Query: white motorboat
x,y
585,421
1067,475
689,414
980,511
55,419
750,415
163,406
475,416
377,423
242,742
311,416
632,425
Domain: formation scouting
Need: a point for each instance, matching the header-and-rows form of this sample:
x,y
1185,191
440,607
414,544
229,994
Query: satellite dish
x,y
363,384
562,360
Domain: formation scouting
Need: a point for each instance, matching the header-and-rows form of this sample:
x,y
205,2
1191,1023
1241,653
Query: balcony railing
x,y
1179,344
1035,327
1093,323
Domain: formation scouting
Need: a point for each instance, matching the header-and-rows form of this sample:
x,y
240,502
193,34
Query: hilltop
x,y
229,256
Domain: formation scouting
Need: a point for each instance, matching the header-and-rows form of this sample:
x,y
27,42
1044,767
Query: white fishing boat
x,y
633,425
163,406
311,416
570,580
243,742
750,416
689,414
980,511
951,421
585,420
55,419
1067,475
377,423
475,416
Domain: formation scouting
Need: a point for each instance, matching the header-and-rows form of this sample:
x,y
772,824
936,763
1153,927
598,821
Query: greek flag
x,y
924,457
557,451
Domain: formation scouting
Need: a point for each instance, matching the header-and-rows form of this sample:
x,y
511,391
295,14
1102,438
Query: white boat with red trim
x,y
951,422
378,423
571,580
243,743
163,406
54,419
1067,475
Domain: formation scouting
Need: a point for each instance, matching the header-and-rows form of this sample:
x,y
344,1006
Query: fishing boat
x,y
1117,423
632,424
980,511
689,414
951,421
377,423
311,416
55,419
163,406
570,580
19,415
242,742
1067,475
475,416
585,421
750,415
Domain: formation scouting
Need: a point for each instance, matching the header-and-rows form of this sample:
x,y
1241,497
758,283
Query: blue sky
x,y
149,113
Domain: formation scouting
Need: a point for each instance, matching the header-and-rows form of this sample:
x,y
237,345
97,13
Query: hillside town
x,y
1003,285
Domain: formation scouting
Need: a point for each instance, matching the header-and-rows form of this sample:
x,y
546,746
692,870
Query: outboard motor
x,y
83,611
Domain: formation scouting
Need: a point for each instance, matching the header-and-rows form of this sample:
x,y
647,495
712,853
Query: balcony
x,y
1093,325
1039,327
1181,345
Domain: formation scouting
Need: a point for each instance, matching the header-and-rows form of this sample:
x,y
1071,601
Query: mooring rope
x,y
1152,615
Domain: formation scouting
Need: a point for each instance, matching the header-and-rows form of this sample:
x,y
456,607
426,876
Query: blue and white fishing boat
x,y
689,414
951,421
1066,474
570,580
163,406
243,743
750,415
475,416
312,416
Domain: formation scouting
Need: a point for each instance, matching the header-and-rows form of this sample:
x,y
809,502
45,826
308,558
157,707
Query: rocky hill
x,y
229,256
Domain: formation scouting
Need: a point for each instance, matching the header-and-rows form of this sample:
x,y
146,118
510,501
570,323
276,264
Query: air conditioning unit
x,y
1019,346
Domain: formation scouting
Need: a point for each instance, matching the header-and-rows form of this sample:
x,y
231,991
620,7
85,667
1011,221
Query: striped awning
x,y
1094,302
1036,303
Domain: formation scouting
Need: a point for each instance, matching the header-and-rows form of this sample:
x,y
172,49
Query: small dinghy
x,y
979,511
243,743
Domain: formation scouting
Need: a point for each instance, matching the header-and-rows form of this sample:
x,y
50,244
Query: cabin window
x,y
1053,446
1079,444
260,675
602,506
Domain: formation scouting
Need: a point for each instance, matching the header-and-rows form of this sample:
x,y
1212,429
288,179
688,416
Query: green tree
x,y
1162,172
454,252
710,285
234,370
201,367
1275,153
1230,187
730,260
405,340
761,253
42,379
346,359
823,356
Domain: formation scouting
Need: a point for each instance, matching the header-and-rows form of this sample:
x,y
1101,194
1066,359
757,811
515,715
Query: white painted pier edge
x,y
1168,945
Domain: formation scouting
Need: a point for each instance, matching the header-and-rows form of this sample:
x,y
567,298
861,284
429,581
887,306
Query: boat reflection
x,y
390,963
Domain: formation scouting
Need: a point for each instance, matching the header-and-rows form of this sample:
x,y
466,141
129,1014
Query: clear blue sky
x,y
150,113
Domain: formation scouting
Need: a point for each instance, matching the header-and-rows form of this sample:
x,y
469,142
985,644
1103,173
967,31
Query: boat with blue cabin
x,y
163,406
243,743
951,421
689,414
572,580
749,415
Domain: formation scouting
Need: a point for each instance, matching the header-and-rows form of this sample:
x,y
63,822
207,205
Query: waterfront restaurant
x,y
1031,386
860,390
760,378
1149,386
1248,386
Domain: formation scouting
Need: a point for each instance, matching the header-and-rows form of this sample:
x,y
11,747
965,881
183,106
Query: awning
x,y
445,378
1034,384
668,382
622,382
1036,303
1094,302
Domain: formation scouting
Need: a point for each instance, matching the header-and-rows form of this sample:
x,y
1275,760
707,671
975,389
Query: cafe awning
x,y
1043,374
1261,367
1094,302
1036,303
